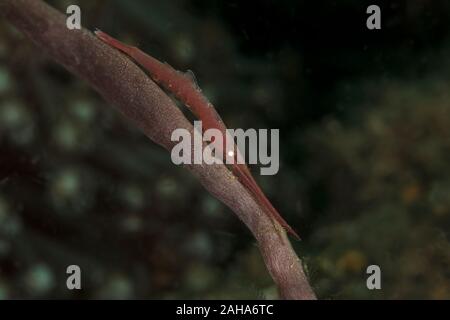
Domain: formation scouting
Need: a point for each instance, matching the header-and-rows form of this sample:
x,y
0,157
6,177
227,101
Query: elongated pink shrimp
x,y
186,90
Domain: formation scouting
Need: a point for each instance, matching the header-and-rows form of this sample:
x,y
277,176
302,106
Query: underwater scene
x,y
340,110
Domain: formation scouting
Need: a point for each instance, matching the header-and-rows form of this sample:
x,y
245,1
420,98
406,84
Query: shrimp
x,y
184,87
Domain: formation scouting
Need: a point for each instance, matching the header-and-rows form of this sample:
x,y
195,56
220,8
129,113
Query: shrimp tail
x,y
248,181
112,41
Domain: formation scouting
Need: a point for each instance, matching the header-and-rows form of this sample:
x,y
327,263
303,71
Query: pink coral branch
x,y
141,101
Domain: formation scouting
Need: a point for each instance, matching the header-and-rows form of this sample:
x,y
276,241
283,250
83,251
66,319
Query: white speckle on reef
x,y
167,187
83,110
132,195
211,206
12,114
118,286
18,122
199,277
66,135
199,244
66,184
270,293
72,190
39,279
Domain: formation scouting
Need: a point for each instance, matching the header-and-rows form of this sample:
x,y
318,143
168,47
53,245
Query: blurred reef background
x,y
364,119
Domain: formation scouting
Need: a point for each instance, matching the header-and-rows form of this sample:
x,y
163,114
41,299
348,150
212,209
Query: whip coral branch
x,y
187,91
141,101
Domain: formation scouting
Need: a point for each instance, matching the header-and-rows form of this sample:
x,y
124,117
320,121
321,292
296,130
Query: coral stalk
x,y
142,102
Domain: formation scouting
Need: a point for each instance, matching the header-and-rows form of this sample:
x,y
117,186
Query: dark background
x,y
365,146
